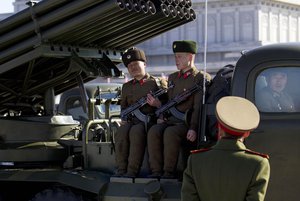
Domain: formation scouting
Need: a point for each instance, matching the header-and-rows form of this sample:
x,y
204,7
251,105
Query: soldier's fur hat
x,y
133,54
185,46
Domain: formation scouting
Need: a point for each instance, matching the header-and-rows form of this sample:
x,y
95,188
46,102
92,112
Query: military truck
x,y
56,45
47,49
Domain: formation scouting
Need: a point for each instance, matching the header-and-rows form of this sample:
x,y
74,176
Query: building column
x,y
298,29
257,25
200,25
289,27
218,26
270,21
279,26
237,25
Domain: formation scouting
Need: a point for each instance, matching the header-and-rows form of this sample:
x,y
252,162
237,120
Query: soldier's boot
x,y
174,136
154,139
170,164
121,159
137,138
122,149
120,173
132,170
169,175
170,167
155,174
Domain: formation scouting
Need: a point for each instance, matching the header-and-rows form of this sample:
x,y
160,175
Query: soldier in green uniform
x,y
130,139
165,138
228,171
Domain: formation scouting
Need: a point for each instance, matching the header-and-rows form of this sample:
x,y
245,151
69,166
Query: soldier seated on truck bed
x,y
166,137
130,139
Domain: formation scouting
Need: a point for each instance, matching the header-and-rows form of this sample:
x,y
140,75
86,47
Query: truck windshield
x,y
74,107
276,90
114,108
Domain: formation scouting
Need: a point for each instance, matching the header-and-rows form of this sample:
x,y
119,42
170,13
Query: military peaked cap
x,y
133,54
237,115
185,46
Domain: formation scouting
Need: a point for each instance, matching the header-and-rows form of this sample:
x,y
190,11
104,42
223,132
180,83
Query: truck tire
x,y
57,194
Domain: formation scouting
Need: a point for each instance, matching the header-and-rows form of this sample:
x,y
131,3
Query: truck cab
x,y
278,131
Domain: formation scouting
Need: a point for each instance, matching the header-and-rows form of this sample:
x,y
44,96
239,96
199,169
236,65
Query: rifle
x,y
133,110
169,106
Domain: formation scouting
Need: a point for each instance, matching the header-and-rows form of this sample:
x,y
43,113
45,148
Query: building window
x,y
247,27
274,29
211,30
265,28
227,28
284,29
293,30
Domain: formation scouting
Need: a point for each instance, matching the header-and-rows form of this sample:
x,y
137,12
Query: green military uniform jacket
x,y
134,89
184,81
226,172
268,100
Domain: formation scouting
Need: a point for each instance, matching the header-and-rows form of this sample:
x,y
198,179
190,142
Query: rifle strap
x,y
176,113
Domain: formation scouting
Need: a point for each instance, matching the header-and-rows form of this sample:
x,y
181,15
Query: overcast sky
x,y
6,6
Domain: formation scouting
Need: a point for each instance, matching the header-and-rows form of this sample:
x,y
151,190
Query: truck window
x,y
114,108
74,108
276,90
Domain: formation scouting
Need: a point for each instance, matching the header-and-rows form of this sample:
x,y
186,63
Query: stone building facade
x,y
233,26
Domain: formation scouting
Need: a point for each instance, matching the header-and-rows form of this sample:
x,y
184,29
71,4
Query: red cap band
x,y
235,133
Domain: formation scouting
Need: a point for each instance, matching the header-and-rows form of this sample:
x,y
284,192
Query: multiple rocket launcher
x,y
109,24
54,45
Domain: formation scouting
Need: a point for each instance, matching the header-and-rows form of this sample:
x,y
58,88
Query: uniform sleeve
x,y
189,190
197,103
124,102
258,187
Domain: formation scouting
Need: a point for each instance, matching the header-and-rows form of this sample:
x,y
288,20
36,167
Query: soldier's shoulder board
x,y
200,150
257,153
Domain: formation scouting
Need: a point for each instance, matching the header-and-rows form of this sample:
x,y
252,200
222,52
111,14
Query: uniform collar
x,y
141,81
229,144
185,74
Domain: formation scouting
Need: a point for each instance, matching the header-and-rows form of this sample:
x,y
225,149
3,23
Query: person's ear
x,y
190,56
